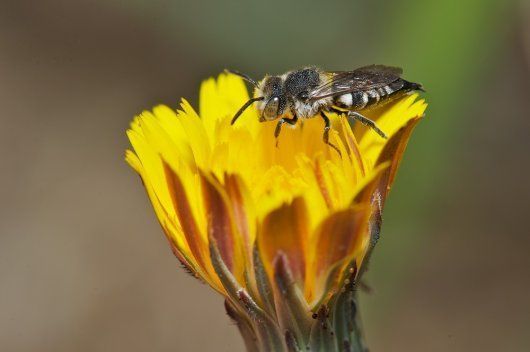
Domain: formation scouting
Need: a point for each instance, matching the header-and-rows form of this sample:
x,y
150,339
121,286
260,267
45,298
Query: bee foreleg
x,y
367,122
325,136
291,121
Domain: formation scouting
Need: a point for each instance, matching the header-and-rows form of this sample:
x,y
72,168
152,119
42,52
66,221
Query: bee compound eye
x,y
271,108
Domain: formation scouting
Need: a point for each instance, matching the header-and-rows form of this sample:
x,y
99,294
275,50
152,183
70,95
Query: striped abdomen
x,y
360,100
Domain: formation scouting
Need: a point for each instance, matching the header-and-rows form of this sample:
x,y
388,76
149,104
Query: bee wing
x,y
364,78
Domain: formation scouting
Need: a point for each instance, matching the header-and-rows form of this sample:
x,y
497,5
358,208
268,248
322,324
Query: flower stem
x,y
335,328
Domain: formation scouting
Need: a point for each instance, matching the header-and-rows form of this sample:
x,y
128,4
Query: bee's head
x,y
270,95
274,102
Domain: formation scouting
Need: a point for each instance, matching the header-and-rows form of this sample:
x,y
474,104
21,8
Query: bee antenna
x,y
244,107
244,76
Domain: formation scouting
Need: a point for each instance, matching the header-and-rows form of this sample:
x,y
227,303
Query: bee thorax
x,y
309,109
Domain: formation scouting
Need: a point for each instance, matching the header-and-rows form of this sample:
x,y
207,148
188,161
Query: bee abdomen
x,y
354,100
364,99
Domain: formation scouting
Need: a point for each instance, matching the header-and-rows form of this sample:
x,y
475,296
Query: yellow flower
x,y
281,231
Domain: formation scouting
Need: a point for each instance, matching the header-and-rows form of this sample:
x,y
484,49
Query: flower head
x,y
281,231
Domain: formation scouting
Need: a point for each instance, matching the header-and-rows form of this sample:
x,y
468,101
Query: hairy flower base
x,y
283,232
290,326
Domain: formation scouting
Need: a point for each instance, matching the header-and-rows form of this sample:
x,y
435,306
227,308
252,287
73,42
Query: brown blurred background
x,y
83,263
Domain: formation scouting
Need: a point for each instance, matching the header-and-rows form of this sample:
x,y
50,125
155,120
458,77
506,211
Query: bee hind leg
x,y
325,136
367,122
291,121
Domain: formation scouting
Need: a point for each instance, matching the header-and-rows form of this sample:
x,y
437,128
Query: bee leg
x,y
341,113
337,111
367,122
325,136
291,121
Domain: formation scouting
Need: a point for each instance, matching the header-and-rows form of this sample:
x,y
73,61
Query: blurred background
x,y
84,265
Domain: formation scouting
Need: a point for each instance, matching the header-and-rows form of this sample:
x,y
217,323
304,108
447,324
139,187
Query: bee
x,y
311,92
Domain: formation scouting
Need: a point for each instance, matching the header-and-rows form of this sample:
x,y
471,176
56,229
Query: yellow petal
x,y
393,152
390,120
221,226
339,236
285,231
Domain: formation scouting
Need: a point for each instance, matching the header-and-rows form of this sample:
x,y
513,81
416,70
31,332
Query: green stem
x,y
334,328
